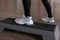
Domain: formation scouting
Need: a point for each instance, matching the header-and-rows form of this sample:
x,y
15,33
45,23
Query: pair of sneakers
x,y
29,21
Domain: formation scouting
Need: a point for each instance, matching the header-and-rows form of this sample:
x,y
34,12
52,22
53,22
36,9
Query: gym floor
x,y
8,9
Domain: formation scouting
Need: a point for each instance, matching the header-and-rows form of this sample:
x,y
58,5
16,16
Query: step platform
x,y
48,31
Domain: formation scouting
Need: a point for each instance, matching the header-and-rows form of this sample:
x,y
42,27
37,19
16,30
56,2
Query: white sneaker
x,y
46,19
24,20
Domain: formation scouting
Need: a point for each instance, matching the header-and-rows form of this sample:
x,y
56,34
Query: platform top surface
x,y
42,26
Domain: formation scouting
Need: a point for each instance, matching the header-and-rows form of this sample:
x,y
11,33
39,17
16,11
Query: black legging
x,y
27,5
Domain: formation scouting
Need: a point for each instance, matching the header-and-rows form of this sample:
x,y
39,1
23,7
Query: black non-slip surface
x,y
42,26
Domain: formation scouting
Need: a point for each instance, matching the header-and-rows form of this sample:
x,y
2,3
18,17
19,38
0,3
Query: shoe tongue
x,y
27,17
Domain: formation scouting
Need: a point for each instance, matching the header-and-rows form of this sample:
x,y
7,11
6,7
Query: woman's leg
x,y
48,8
27,5
49,12
26,19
